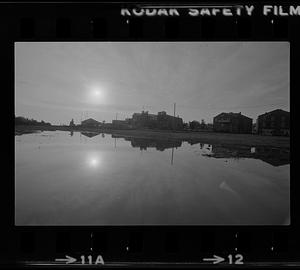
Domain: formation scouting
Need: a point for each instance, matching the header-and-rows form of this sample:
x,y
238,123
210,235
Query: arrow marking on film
x,y
68,260
216,259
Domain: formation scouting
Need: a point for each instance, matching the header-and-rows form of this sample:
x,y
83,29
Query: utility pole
x,y
116,116
174,116
174,109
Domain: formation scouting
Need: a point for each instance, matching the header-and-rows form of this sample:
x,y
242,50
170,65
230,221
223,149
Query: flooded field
x,y
83,178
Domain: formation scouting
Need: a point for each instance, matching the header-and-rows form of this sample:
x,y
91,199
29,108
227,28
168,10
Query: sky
x,y
58,81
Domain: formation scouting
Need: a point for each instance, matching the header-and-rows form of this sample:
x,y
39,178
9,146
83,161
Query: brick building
x,y
276,123
144,120
160,121
165,121
232,123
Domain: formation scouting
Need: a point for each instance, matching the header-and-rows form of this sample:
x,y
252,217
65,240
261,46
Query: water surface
x,y
73,178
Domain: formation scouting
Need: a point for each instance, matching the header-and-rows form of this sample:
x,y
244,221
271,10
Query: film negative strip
x,y
152,135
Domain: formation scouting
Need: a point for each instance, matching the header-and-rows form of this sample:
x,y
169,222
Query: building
x,y
209,127
232,123
144,120
160,121
122,124
165,121
90,123
194,125
275,123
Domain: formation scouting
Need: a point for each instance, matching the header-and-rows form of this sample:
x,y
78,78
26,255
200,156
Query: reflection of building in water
x,y
233,123
273,156
205,147
208,147
160,145
144,143
90,134
221,151
276,122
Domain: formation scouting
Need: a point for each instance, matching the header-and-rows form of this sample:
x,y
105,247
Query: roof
x,y
275,112
144,113
232,115
90,120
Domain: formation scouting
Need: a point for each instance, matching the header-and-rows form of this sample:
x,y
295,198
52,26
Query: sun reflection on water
x,y
93,160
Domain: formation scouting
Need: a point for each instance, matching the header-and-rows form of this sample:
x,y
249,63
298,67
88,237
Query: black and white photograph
x,y
152,133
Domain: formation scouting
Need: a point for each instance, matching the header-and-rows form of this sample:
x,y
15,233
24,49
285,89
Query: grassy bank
x,y
203,137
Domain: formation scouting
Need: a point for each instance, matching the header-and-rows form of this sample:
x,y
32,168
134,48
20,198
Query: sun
x,y
94,162
96,92
96,95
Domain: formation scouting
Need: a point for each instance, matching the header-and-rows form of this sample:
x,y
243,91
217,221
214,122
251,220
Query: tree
x,y
185,125
203,125
19,120
72,123
194,124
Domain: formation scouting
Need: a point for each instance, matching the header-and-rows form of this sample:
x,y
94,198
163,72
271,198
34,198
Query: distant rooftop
x,y
275,111
232,114
89,120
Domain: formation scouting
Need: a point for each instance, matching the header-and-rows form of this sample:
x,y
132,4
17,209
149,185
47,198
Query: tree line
x,y
196,125
19,120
